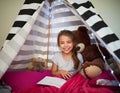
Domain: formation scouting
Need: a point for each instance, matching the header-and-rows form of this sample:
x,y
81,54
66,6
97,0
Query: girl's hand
x,y
65,74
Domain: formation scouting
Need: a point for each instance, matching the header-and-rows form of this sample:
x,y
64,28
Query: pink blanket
x,y
77,84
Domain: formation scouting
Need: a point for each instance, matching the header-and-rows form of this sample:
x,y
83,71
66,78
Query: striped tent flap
x,y
101,30
17,36
25,13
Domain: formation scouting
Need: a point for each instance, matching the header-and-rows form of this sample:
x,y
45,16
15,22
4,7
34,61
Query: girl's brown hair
x,y
74,52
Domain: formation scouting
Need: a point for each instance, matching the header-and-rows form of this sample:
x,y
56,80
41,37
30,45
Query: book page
x,y
52,81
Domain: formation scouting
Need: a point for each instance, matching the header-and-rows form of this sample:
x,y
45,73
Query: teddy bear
x,y
37,64
93,64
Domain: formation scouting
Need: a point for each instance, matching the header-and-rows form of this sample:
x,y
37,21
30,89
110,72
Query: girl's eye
x,y
69,41
66,42
61,42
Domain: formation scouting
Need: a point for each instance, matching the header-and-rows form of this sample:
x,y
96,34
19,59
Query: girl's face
x,y
65,44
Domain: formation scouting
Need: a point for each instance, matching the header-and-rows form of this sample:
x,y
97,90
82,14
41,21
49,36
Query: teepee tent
x,y
35,30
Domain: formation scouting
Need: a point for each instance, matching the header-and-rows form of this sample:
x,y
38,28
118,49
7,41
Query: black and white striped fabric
x,y
18,33
27,10
35,30
98,26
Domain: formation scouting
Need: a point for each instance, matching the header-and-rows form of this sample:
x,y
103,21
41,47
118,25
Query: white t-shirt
x,y
65,65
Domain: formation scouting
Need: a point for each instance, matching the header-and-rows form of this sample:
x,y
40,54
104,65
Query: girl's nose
x,y
66,45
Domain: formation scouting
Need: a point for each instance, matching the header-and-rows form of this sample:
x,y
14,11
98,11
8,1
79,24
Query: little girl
x,y
68,61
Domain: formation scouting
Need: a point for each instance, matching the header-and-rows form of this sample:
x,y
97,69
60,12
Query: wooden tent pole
x,y
48,44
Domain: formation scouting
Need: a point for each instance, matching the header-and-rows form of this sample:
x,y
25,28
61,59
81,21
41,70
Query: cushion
x,y
20,80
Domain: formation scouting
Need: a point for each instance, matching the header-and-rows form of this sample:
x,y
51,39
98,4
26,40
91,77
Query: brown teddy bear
x,y
37,64
93,61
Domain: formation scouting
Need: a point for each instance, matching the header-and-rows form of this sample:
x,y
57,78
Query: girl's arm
x,y
63,73
54,70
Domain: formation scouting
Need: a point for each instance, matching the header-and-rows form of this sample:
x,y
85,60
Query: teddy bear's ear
x,y
80,47
82,36
82,28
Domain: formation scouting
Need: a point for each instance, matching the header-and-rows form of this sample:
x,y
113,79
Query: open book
x,y
52,81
